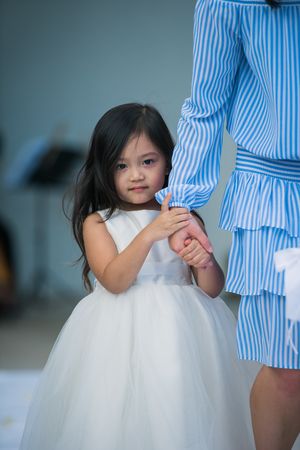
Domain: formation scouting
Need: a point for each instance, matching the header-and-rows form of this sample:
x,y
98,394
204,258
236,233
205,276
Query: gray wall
x,y
63,64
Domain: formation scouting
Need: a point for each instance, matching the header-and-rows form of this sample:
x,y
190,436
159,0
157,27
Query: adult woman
x,y
247,68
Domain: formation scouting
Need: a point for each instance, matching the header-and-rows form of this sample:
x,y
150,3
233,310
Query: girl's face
x,y
140,171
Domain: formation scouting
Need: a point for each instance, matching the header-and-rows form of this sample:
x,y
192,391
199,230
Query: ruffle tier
x,y
261,206
253,200
262,333
251,268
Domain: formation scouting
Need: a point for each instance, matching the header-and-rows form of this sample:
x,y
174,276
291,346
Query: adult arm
x,y
216,55
196,159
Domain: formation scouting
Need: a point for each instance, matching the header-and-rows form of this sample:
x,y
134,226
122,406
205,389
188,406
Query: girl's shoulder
x,y
101,216
93,221
94,217
95,228
102,219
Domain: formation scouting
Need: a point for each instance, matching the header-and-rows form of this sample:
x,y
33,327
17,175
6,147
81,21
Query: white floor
x,y
25,342
16,389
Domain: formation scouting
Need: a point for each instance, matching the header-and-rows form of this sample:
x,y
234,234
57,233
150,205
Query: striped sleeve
x,y
196,158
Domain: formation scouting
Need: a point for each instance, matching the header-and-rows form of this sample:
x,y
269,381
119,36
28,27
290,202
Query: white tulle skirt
x,y
154,368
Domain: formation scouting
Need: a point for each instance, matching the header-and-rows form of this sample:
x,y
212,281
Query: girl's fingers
x,y
165,203
181,217
194,256
202,263
191,247
179,225
184,252
172,221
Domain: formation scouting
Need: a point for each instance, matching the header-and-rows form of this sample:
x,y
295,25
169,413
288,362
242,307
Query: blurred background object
x,y
44,165
7,271
7,264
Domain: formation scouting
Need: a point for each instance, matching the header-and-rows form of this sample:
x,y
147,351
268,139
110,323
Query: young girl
x,y
147,361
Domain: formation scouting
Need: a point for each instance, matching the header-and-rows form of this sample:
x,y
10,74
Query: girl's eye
x,y
147,162
120,166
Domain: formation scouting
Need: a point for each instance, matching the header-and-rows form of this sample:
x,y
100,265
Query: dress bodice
x,y
162,265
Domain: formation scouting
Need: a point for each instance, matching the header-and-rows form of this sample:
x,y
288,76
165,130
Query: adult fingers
x,y
177,211
199,234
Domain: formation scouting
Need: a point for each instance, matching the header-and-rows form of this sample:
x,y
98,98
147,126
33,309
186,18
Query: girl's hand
x,y
195,255
192,231
168,222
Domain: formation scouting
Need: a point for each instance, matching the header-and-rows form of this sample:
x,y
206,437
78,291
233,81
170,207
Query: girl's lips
x,y
138,188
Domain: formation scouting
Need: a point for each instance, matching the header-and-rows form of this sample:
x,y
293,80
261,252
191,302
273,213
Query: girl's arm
x,y
117,271
210,279
206,270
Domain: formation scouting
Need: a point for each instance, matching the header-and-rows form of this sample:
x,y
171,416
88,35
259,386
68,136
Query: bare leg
x,y
275,408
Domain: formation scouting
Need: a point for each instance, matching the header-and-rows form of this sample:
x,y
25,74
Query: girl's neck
x,y
152,204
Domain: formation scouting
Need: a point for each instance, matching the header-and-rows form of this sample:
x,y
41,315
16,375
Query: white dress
x,y
153,368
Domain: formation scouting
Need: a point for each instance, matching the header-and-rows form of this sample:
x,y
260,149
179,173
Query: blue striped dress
x,y
247,71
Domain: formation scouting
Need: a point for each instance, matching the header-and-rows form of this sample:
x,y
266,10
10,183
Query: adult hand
x,y
192,230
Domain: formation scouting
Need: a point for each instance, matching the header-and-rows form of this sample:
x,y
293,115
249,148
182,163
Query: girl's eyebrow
x,y
144,155
149,154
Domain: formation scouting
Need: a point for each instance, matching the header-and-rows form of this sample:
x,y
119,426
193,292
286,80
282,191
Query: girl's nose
x,y
136,174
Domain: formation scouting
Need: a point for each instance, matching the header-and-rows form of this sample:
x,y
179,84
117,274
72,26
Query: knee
x,y
287,381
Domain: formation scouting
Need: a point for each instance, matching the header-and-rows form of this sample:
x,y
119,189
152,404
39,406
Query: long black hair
x,y
94,187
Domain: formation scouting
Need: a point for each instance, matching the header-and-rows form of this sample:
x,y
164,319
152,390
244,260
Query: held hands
x,y
168,222
193,230
193,245
195,255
